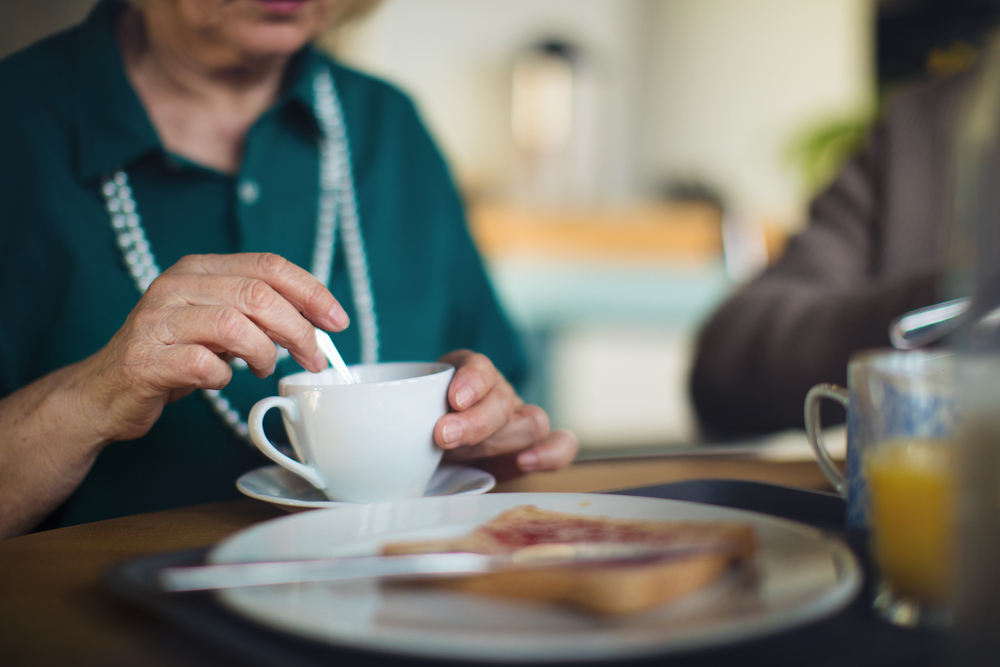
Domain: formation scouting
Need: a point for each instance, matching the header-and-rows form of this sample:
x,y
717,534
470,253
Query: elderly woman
x,y
166,168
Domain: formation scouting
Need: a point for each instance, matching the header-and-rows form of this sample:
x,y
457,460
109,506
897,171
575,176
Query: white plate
x,y
276,485
798,575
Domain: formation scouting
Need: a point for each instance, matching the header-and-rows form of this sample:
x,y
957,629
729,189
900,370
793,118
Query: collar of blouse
x,y
112,127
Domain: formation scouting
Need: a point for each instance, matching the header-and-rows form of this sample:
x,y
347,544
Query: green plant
x,y
819,152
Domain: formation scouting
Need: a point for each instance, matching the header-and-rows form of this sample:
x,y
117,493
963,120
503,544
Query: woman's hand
x,y
490,420
195,317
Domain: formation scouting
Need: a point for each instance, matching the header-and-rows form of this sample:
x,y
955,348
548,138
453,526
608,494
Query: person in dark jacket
x,y
875,247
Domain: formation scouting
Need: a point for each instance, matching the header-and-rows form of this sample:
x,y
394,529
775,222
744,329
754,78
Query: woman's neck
x,y
201,98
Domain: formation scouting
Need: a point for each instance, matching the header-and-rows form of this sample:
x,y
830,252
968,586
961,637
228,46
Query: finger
x,y
527,425
178,366
556,451
220,329
179,393
475,377
272,313
309,296
472,426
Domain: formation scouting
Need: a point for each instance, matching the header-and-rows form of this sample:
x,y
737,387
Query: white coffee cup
x,y
366,442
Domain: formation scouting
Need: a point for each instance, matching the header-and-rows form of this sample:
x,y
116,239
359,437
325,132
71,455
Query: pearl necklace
x,y
337,199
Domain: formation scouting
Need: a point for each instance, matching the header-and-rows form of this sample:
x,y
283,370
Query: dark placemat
x,y
852,637
816,508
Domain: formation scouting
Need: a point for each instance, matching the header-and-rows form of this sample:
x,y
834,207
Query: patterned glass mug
x,y
899,482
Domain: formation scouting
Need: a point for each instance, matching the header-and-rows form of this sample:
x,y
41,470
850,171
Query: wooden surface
x,y
587,476
53,610
663,232
660,232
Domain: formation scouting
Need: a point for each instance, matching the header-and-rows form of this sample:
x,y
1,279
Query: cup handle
x,y
814,432
290,410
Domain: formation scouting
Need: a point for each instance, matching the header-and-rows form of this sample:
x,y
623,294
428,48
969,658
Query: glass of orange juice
x,y
911,491
899,482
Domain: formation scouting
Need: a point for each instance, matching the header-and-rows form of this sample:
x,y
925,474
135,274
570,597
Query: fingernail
x,y
339,317
527,460
452,433
464,397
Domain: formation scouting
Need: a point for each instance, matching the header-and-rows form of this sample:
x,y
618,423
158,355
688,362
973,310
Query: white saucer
x,y
276,485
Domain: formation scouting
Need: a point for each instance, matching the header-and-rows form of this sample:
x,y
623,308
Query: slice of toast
x,y
606,590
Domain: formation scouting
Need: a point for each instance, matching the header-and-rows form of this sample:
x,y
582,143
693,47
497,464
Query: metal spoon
x,y
336,361
926,325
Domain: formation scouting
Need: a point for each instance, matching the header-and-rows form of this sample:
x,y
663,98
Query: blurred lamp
x,y
542,99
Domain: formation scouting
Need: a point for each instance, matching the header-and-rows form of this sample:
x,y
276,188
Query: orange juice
x,y
911,486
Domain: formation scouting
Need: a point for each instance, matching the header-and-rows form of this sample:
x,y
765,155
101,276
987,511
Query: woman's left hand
x,y
491,420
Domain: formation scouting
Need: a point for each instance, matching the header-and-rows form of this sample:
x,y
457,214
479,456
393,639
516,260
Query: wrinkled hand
x,y
195,317
490,420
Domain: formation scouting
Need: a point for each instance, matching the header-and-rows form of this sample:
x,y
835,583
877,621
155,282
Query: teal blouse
x,y
68,116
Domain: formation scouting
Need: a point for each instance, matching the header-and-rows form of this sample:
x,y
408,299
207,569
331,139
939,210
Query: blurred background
x,y
628,163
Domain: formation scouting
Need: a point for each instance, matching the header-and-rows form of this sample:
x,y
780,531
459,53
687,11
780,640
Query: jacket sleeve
x,y
798,323
475,319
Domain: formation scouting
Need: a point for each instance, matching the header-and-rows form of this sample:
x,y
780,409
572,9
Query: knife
x,y
420,566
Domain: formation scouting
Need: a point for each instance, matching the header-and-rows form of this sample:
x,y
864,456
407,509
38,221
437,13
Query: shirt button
x,y
249,192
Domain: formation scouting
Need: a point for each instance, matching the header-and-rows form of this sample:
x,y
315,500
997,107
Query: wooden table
x,y
53,610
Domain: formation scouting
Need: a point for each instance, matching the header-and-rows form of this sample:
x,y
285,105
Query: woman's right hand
x,y
195,317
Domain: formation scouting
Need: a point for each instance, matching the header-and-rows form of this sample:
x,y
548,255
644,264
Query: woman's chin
x,y
273,40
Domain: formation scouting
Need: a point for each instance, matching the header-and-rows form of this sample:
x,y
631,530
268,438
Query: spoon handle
x,y
330,350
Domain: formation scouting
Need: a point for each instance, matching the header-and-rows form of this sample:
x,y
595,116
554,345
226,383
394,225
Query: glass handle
x,y
814,431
